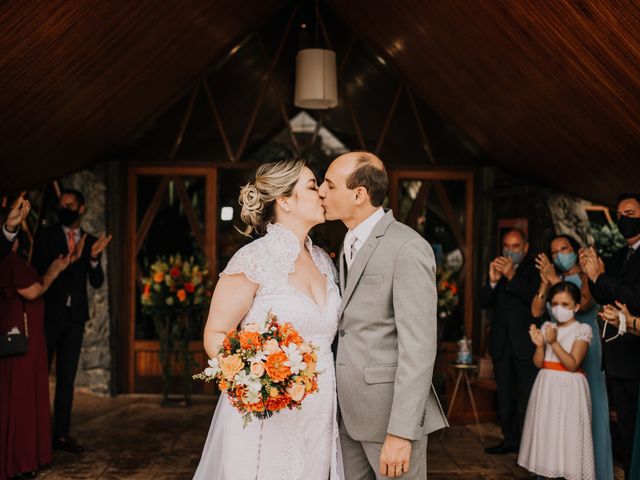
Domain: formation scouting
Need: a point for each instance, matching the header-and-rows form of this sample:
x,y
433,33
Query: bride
x,y
284,272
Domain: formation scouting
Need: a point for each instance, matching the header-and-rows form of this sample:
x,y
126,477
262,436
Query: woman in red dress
x,y
25,421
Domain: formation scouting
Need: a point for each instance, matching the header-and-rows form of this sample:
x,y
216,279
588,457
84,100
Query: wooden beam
x,y
423,134
181,190
279,100
263,90
218,120
387,121
150,214
456,229
185,121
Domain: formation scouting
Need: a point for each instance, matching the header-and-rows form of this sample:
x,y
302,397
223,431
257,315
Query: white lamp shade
x,y
316,83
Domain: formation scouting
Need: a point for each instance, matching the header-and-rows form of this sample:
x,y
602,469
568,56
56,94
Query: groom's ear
x,y
361,195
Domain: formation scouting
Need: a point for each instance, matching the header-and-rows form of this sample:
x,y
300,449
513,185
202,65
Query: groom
x,y
387,331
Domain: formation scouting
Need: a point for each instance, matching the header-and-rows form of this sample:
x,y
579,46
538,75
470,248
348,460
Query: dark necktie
x,y
630,253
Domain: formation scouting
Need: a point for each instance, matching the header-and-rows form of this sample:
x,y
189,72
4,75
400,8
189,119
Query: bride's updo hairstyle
x,y
258,198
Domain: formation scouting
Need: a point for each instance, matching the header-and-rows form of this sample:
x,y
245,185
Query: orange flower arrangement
x,y
276,366
264,369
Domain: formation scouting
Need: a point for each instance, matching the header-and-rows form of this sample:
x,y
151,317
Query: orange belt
x,y
559,367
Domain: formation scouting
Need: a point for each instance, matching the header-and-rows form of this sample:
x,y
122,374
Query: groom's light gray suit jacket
x,y
387,337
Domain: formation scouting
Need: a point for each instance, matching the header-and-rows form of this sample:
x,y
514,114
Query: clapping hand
x,y
60,264
507,267
548,273
98,247
592,265
611,315
536,336
19,211
495,271
551,335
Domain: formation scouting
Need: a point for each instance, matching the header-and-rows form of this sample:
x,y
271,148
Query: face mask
x,y
562,314
516,257
67,216
565,261
575,279
629,227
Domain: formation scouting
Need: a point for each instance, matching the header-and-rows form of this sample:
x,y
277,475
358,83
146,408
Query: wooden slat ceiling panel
x,y
547,89
79,77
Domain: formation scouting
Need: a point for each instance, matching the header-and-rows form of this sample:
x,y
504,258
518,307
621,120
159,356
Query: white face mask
x,y
562,314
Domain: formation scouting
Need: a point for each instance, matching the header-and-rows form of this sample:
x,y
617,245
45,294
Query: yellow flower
x,y
230,365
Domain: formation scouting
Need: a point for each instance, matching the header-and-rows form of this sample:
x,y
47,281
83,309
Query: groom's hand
x,y
395,455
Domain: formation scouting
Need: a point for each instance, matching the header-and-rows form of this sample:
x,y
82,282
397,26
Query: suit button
x,y
342,333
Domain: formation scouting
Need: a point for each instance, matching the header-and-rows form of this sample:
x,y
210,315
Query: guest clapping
x,y
25,421
511,285
564,251
557,439
618,280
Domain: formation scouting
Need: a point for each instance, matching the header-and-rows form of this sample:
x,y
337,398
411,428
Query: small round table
x,y
462,371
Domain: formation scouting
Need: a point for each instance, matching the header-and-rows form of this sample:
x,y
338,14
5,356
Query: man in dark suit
x,y
17,215
618,279
66,304
512,284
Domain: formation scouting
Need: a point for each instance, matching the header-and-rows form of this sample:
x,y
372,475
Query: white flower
x,y
296,361
213,369
169,301
250,397
242,378
259,356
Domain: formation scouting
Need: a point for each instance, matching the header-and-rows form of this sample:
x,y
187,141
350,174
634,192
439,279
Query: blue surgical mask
x,y
516,257
565,261
575,279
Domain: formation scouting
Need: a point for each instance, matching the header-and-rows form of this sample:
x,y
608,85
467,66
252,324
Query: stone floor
x,y
132,437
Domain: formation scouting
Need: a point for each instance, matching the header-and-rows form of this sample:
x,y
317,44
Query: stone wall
x,y
94,371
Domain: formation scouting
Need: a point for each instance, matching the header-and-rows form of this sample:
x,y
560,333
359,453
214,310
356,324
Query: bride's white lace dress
x,y
296,444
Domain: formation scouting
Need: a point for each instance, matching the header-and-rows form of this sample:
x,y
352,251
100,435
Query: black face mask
x,y
67,216
629,226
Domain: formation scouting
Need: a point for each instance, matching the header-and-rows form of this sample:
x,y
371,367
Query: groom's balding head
x,y
366,170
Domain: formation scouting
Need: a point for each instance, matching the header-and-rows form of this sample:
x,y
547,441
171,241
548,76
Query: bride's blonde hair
x,y
258,198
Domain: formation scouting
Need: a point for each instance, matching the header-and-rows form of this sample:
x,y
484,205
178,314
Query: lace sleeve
x,y
584,333
245,261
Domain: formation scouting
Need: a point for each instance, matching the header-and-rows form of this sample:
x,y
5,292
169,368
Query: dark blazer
x,y
621,281
511,304
50,243
5,245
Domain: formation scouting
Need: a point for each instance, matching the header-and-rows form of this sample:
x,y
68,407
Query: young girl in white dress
x,y
556,438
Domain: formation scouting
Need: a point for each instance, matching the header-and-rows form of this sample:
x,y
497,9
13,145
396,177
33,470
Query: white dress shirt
x,y
354,239
8,235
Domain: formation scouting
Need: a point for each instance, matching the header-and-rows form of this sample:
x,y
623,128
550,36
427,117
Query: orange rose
x,y
278,403
147,289
182,295
230,365
158,277
249,340
276,368
254,407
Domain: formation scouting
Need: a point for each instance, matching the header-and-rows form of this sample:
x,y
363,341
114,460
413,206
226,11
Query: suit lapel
x,y
633,260
363,256
61,238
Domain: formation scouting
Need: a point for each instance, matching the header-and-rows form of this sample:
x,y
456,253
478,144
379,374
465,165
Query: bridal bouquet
x,y
264,369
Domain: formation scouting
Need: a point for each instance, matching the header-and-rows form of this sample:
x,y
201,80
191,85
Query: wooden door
x,y
170,209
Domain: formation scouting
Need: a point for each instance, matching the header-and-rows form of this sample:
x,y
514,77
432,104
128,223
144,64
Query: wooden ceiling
x,y
77,77
549,90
